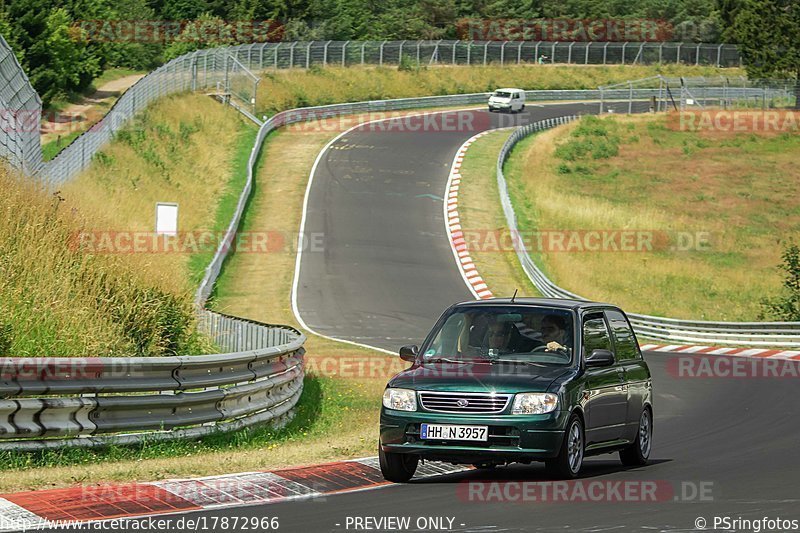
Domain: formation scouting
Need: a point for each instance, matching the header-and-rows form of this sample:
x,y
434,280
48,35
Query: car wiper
x,y
460,361
443,360
517,361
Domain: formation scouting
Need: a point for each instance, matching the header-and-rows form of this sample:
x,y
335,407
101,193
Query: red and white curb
x,y
452,221
477,285
62,507
716,350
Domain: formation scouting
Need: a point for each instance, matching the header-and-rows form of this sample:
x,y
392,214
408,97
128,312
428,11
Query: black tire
x,y
397,467
569,462
638,453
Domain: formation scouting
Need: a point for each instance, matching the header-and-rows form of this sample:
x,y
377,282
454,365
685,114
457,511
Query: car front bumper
x,y
512,438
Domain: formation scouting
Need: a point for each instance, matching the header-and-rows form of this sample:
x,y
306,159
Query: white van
x,y
512,100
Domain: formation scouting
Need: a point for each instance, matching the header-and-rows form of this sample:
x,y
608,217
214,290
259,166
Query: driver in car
x,y
554,332
551,334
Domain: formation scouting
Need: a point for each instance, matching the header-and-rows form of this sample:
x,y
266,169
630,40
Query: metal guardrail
x,y
74,402
652,327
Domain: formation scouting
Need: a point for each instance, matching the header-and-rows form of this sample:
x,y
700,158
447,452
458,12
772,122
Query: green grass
x,y
227,203
309,421
52,148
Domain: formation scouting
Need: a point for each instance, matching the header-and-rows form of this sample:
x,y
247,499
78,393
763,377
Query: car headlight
x,y
534,403
400,399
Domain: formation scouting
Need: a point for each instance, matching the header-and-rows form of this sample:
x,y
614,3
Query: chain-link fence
x,y
20,114
228,73
737,93
324,53
215,70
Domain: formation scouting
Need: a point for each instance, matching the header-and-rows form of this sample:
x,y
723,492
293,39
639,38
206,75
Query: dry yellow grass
x,y
741,192
59,300
286,89
180,151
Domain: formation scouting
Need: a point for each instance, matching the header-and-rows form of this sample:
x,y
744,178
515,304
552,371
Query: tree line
x,y
64,44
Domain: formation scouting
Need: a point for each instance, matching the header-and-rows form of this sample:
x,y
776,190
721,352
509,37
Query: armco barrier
x,y
652,327
97,401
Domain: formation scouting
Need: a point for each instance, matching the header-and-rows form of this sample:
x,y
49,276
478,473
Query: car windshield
x,y
502,94
522,334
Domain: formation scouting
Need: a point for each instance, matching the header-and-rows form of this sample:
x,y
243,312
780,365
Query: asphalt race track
x,y
385,270
735,439
722,446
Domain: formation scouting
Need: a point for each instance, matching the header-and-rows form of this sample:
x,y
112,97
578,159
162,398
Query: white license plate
x,y
449,432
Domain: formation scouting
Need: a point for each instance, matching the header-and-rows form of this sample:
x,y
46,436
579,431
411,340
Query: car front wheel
x,y
397,467
638,453
570,458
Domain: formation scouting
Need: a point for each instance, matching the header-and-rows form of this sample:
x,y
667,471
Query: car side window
x,y
595,335
624,339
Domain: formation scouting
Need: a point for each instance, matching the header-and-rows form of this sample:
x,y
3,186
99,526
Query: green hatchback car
x,y
519,380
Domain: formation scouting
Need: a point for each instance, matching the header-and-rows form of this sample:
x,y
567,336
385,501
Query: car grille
x,y
463,402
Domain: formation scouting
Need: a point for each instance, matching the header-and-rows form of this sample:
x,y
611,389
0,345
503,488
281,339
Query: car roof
x,y
561,303
508,90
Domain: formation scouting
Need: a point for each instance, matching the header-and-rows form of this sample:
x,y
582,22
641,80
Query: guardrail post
x,y
624,45
586,57
553,53
519,52
569,53
325,54
719,55
400,53
455,45
536,52
605,53
485,52
678,54
308,54
697,56
630,97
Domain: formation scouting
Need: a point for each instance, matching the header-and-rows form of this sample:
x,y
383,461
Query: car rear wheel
x,y
397,467
570,458
638,453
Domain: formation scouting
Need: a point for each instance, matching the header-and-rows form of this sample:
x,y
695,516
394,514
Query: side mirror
x,y
600,358
409,353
